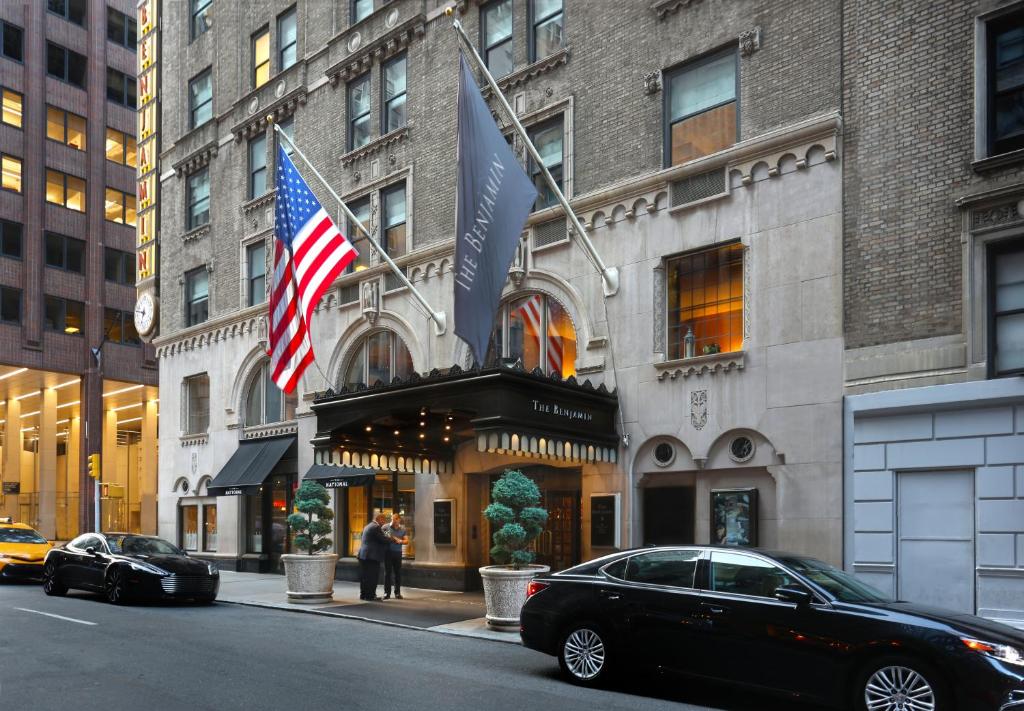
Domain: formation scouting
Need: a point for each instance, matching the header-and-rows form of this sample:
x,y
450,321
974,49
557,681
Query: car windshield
x,y
20,535
843,586
141,545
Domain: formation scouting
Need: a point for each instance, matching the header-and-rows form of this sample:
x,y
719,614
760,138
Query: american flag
x,y
309,254
532,311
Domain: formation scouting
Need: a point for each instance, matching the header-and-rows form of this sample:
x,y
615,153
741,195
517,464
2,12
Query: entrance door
x,y
668,515
559,543
280,505
935,536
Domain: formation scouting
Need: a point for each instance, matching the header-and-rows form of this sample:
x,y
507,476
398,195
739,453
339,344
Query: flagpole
x,y
609,275
438,317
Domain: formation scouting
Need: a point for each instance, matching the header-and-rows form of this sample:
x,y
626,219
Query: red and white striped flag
x,y
309,254
533,315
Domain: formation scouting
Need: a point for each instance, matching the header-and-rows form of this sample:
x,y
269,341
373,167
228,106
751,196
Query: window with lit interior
x,y
537,331
705,302
264,401
381,357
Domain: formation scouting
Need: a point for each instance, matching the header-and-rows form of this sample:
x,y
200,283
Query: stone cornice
x,y
238,323
522,76
199,158
280,109
196,234
700,365
390,43
274,429
375,146
257,202
665,8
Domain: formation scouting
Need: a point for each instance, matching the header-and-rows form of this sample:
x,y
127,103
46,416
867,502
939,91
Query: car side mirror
x,y
90,550
793,593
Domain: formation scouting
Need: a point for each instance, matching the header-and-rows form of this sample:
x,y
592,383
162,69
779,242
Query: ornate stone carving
x,y
652,82
199,158
283,107
700,365
392,138
994,216
750,41
665,8
699,409
370,300
517,270
658,294
364,54
522,76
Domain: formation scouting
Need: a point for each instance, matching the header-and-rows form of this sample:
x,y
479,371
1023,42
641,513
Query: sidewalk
x,y
454,613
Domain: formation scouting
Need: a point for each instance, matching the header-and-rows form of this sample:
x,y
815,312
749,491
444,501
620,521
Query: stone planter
x,y
310,577
505,593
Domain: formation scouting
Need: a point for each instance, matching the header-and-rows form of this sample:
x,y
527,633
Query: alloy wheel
x,y
50,584
115,586
584,654
897,688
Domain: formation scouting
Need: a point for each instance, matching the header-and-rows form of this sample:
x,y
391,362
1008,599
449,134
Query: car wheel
x,y
583,655
901,684
114,587
51,581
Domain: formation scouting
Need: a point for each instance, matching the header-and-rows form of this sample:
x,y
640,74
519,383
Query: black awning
x,y
333,477
249,466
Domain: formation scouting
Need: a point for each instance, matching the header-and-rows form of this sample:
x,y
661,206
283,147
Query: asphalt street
x,y
80,653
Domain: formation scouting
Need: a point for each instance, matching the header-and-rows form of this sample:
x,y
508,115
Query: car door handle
x,y
610,595
714,609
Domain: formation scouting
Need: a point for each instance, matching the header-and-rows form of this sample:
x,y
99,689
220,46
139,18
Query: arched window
x,y
382,356
264,401
537,330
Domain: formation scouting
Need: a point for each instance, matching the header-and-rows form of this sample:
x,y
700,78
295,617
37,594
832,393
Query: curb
x,y
514,639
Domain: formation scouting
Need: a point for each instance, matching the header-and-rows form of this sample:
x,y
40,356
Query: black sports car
x,y
126,566
780,622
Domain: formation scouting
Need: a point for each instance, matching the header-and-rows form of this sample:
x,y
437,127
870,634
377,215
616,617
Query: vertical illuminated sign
x,y
148,137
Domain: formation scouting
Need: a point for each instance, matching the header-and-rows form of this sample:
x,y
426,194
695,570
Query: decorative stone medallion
x,y
391,19
254,104
354,42
699,409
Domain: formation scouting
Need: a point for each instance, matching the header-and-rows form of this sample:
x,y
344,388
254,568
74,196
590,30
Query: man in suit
x,y
373,550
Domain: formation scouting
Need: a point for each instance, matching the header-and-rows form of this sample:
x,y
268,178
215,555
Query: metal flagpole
x,y
609,275
438,317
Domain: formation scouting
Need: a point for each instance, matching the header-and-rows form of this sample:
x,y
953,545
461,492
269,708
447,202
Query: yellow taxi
x,y
22,551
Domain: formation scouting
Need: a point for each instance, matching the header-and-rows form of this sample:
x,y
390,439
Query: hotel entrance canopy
x,y
416,424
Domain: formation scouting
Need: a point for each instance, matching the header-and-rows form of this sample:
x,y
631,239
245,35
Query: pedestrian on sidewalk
x,y
393,562
373,549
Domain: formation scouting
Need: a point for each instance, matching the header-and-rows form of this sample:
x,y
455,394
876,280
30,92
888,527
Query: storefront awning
x,y
335,477
250,465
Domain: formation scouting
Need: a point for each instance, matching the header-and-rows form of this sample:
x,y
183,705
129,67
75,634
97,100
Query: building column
x,y
148,468
12,454
47,458
72,483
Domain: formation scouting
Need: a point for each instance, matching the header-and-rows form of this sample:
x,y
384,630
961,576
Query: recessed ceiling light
x,y
64,385
447,427
369,428
422,423
124,390
422,435
12,373
396,432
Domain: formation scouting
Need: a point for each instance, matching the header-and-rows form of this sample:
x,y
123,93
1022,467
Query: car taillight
x,y
534,587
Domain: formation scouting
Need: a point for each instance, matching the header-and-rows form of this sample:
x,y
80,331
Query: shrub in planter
x,y
311,576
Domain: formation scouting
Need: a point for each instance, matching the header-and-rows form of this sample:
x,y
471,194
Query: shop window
x,y
65,64
190,528
360,10
548,35
122,29
264,401
261,57
12,108
537,331
70,10
119,266
202,17
119,207
705,302
200,99
1005,67
210,527
254,523
11,41
63,315
549,140
197,404
199,199
361,210
287,39
496,36
10,239
256,261
393,115
257,166
63,252
382,356
120,147
10,173
359,112
197,296
389,493
10,305
395,234
65,127
1006,309
701,112
61,189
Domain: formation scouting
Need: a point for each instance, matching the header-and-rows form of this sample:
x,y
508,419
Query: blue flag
x,y
494,198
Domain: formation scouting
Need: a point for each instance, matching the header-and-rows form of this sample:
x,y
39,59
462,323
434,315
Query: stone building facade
x,y
704,399
933,268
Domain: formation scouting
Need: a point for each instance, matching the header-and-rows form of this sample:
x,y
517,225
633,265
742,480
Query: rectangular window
x,y
63,252
10,305
261,57
12,41
199,199
361,209
202,17
10,239
12,108
190,528
65,127
287,128
705,302
197,406
197,296
701,115
63,315
200,99
121,88
119,207
393,109
122,29
394,220
120,147
70,10
119,327
258,166
361,9
256,260
210,527
548,35
119,266
65,64
496,36
548,139
1006,309
287,39
1005,51
359,112
10,173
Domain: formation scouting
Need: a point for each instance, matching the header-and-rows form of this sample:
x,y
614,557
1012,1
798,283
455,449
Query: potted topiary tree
x,y
517,519
310,576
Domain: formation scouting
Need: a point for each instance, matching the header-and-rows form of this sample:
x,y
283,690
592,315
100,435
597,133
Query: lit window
x,y
200,98
261,57
287,39
359,112
120,147
66,190
1006,320
12,109
65,127
395,237
265,403
11,173
199,199
705,302
548,139
394,116
190,528
381,357
63,315
537,331
701,108
496,23
210,527
197,404
548,28
119,207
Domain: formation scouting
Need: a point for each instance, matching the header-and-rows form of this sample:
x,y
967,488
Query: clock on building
x,y
145,314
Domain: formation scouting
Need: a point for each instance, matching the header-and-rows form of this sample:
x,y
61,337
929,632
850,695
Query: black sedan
x,y
125,566
774,621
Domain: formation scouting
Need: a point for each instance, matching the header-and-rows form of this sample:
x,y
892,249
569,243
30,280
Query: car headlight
x,y
214,570
1002,652
146,568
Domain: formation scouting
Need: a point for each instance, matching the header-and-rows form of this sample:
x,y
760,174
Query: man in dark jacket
x,y
373,549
